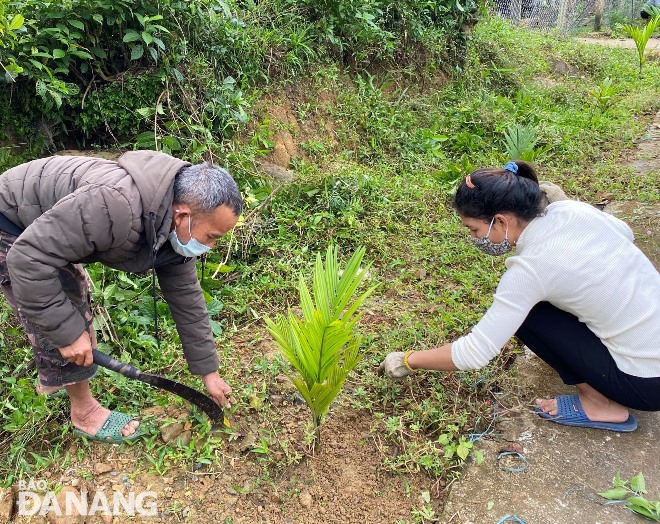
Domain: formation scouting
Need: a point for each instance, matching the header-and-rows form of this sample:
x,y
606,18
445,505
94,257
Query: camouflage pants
x,y
53,369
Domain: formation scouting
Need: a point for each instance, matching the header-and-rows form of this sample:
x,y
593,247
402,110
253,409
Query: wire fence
x,y
567,16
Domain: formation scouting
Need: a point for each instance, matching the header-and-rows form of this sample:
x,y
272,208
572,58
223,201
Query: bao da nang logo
x,y
35,499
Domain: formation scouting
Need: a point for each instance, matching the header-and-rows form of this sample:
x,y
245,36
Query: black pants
x,y
578,355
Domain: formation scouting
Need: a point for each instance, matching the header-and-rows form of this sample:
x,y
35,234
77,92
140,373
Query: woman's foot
x,y
596,406
88,415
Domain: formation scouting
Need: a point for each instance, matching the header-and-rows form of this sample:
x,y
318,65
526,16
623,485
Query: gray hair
x,y
206,187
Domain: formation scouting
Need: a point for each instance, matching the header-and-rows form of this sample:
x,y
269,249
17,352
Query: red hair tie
x,y
468,182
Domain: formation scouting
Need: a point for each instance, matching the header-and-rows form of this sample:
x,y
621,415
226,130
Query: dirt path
x,y
628,43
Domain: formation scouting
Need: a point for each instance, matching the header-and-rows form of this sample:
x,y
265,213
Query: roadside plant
x,y
604,95
641,37
636,486
520,143
322,346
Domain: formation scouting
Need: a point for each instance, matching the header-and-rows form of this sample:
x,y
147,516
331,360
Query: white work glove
x,y
394,366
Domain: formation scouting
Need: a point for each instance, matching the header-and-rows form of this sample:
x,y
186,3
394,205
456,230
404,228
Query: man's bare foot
x,y
596,406
90,418
87,414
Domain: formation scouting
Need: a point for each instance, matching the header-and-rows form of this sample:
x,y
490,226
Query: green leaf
x,y
81,54
131,36
153,53
147,37
159,43
479,457
99,52
426,497
98,18
109,292
77,24
619,493
137,52
58,53
16,22
637,483
462,451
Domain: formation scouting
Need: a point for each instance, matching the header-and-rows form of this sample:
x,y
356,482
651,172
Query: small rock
x,y
72,517
154,410
114,473
420,273
248,442
186,437
276,399
195,478
75,483
298,399
6,504
171,432
305,499
107,519
100,468
124,478
232,491
198,466
185,512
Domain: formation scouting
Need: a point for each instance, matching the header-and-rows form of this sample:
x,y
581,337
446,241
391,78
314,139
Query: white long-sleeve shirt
x,y
582,261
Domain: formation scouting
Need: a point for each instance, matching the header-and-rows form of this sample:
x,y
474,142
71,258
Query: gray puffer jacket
x,y
83,209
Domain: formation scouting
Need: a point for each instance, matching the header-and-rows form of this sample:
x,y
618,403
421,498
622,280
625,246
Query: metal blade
x,y
207,405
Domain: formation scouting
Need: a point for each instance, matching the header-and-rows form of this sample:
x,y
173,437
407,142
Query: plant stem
x,y
317,433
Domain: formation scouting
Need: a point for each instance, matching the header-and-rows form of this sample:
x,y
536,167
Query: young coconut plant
x,y
642,36
322,346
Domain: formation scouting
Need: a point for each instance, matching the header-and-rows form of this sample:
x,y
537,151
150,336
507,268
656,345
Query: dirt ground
x,y
627,43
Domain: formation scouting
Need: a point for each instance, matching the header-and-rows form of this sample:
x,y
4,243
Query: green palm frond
x,y
641,38
519,141
321,346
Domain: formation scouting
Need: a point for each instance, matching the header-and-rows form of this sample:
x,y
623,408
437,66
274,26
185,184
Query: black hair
x,y
489,191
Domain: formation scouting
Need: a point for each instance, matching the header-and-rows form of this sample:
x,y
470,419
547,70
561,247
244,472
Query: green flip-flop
x,y
110,430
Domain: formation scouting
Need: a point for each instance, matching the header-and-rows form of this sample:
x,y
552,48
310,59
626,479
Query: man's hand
x,y
80,352
394,367
219,390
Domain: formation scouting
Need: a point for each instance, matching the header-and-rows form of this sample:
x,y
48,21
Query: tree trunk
x,y
599,8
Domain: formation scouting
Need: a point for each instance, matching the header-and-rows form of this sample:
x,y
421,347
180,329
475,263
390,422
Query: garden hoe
x,y
206,404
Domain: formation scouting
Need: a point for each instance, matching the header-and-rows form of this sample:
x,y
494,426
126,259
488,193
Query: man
x,y
651,9
147,211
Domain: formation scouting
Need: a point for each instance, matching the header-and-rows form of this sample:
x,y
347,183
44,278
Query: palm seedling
x,y
322,346
641,37
520,142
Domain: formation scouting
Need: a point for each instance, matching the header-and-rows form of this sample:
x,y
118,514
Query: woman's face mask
x,y
493,248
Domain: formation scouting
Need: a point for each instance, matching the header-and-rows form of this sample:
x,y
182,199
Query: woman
x,y
578,293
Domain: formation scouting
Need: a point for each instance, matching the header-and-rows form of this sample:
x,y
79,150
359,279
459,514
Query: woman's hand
x,y
394,366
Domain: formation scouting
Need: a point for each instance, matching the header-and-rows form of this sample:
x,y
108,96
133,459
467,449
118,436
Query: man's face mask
x,y
491,248
193,248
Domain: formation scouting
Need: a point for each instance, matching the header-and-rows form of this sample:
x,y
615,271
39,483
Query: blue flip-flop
x,y
570,413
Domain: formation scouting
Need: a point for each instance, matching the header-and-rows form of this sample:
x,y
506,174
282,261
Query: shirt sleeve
x,y
518,292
